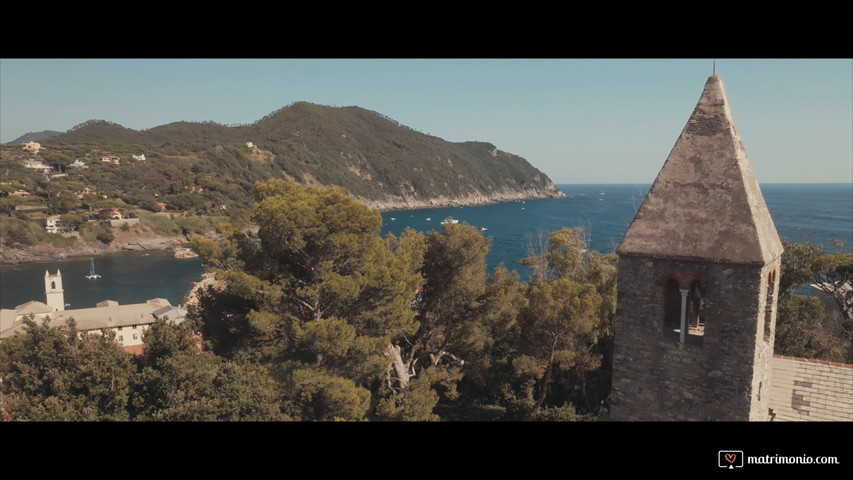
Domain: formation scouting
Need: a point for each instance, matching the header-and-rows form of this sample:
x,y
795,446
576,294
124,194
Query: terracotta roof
x,y
135,349
705,202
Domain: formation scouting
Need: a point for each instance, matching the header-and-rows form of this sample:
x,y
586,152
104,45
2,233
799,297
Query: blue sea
x,y
815,213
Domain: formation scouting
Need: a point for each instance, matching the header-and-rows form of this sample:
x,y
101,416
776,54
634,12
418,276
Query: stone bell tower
x,y
53,292
698,279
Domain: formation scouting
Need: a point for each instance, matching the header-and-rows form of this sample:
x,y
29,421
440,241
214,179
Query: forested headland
x,y
183,178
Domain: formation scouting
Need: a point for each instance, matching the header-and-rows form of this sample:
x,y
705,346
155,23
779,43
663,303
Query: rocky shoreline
x,y
13,255
208,279
124,242
471,200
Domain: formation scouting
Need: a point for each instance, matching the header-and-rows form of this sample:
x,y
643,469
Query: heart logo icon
x,y
730,457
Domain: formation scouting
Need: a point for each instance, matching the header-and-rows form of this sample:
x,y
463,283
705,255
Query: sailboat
x,y
92,275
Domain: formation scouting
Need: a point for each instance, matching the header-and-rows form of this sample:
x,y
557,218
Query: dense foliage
x,y
818,325
371,156
54,374
359,327
322,319
201,170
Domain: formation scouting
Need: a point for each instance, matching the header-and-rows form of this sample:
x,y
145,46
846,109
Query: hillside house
x,y
83,192
139,158
37,165
54,224
111,159
111,214
32,147
78,164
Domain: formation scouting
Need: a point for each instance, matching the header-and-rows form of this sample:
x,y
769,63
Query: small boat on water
x,y
92,275
449,220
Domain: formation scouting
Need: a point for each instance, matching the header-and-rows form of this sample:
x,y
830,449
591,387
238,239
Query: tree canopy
x,y
815,326
54,374
320,318
355,326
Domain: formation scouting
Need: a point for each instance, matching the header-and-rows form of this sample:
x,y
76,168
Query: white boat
x,y
449,220
92,275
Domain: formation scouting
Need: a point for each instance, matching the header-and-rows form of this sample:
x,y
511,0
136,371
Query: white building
x,y
37,165
32,147
128,322
53,224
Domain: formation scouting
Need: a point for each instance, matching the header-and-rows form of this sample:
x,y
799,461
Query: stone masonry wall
x,y
723,375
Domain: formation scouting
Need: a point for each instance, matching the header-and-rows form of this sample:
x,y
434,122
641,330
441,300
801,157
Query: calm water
x,y
816,213
126,278
606,211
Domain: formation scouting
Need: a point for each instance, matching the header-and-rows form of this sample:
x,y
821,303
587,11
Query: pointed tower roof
x,y
705,202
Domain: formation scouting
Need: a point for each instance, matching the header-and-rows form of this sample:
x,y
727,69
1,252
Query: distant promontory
x,y
183,178
377,160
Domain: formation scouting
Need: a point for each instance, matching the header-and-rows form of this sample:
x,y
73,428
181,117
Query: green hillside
x,y
205,169
377,160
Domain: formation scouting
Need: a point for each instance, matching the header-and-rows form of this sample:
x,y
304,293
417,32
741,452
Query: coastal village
x,y
691,341
118,227
129,321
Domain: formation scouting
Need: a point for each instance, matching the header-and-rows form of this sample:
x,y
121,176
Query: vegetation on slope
x,y
208,169
325,320
375,159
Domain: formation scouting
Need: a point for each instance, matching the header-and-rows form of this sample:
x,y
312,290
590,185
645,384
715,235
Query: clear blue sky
x,y
578,120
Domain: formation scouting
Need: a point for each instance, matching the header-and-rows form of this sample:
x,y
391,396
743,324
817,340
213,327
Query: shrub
x,y
105,237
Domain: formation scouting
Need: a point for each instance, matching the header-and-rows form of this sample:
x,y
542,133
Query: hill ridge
x,y
376,159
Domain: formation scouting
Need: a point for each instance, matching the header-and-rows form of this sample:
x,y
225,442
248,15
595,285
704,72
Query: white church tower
x,y
53,291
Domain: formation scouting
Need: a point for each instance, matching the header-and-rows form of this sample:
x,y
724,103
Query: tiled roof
x,y
811,390
32,307
108,314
